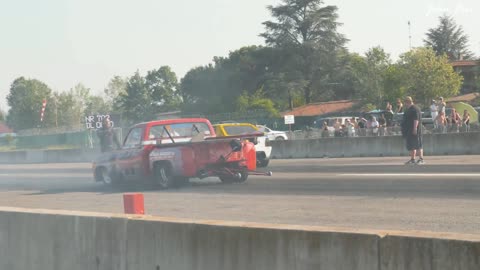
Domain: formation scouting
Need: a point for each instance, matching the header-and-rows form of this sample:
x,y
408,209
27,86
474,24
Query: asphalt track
x,y
369,193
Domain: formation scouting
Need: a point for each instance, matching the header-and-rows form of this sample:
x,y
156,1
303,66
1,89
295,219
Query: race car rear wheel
x,y
263,162
243,177
163,177
237,178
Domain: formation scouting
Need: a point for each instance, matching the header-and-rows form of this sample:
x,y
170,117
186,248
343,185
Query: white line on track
x,y
413,174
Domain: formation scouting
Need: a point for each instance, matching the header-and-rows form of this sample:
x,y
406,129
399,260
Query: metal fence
x,y
375,132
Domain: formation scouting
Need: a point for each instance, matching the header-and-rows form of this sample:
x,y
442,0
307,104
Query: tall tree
x,y
370,74
97,105
136,101
70,106
116,86
215,88
448,38
307,30
25,101
162,85
2,115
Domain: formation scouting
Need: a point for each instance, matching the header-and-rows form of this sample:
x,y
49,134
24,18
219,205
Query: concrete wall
x,y
434,144
48,240
48,156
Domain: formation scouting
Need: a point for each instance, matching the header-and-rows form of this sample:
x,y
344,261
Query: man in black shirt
x,y
412,131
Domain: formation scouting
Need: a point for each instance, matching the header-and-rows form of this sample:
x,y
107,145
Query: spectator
x,y
441,122
441,105
399,106
433,110
389,107
412,131
337,126
108,137
350,128
381,125
455,120
362,126
355,125
325,132
374,126
466,120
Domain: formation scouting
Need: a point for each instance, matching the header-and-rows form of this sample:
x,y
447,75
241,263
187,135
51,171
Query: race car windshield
x,y
239,130
178,130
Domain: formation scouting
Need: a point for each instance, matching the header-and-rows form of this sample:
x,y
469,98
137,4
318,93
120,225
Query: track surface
x,y
369,193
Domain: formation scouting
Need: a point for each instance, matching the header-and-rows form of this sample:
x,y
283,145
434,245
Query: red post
x,y
133,204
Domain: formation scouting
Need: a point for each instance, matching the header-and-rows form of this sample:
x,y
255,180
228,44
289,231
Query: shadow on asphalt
x,y
380,188
295,180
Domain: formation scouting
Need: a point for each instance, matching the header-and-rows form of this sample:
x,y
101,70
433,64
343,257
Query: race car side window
x,y
134,138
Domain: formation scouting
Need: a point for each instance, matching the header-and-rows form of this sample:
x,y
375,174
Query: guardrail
x,y
374,132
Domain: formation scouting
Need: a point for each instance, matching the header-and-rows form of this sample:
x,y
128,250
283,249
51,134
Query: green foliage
x,y
2,116
97,105
306,33
71,106
256,101
162,85
370,74
368,107
448,38
116,86
427,76
25,101
394,86
136,101
144,97
215,88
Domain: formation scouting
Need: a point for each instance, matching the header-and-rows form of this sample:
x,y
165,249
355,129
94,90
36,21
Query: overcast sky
x,y
64,42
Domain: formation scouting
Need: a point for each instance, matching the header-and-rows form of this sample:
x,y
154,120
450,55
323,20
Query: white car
x,y
273,135
264,150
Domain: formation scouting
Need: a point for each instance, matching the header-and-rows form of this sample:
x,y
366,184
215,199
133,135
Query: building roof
x,y
4,128
314,109
464,98
465,63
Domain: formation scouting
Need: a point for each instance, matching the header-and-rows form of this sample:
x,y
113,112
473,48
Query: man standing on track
x,y
108,138
412,131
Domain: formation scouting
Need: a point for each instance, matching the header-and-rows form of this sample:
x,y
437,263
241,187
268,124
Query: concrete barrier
x,y
48,156
434,144
46,240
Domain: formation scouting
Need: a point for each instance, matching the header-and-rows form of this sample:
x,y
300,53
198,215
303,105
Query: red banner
x,y
42,113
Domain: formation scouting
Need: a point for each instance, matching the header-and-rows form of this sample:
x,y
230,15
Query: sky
x,y
65,42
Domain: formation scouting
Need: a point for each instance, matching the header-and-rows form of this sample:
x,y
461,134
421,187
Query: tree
x,y
370,75
71,106
162,85
2,115
115,88
307,32
136,101
448,38
25,101
215,88
247,103
97,105
199,89
427,76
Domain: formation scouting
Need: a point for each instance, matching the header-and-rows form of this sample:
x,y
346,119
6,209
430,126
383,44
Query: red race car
x,y
168,153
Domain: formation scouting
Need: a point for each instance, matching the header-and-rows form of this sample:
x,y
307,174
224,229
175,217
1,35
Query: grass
x,y
12,148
